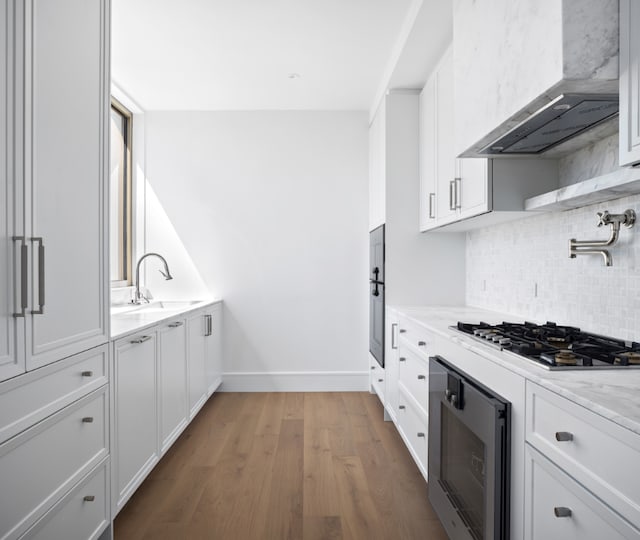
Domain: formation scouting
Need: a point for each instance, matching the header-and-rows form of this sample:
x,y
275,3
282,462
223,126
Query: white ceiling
x,y
238,54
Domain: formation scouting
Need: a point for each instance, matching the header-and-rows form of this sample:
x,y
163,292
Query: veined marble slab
x,y
602,188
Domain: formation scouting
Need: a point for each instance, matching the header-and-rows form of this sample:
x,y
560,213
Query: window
x,y
120,195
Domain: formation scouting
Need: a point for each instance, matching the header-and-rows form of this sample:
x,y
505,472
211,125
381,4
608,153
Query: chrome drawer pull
x,y
89,498
402,330
421,344
564,436
88,419
87,373
402,359
373,367
176,324
401,407
141,339
420,434
422,377
380,380
562,511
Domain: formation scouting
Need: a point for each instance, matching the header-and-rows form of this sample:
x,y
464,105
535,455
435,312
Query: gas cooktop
x,y
556,347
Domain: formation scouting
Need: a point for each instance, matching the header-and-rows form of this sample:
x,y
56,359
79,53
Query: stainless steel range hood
x,y
565,117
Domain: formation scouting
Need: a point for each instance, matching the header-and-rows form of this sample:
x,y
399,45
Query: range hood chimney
x,y
565,117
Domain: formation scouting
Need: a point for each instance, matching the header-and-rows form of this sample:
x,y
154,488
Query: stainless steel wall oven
x,y
469,455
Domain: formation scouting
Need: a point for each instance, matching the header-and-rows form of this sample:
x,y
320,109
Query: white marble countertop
x,y
613,394
127,320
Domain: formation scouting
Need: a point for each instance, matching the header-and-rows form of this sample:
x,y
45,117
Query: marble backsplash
x,y
523,267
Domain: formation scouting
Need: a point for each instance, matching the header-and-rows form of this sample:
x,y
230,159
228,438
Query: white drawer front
x,y
415,335
82,514
38,466
414,429
596,452
30,398
377,378
414,376
580,515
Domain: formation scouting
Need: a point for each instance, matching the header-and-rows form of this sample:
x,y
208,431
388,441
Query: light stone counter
x,y
138,319
613,394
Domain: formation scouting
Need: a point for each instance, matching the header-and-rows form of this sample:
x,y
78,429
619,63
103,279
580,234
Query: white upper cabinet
x,y
428,155
53,275
512,57
453,190
629,82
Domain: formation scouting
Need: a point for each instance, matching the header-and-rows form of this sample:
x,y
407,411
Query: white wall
x,y
272,209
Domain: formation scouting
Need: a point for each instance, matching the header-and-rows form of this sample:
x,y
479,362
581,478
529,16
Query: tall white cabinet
x,y
56,106
629,82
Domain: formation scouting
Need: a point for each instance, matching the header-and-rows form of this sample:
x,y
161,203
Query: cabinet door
x,y
135,444
391,364
213,331
629,82
428,155
377,174
66,115
172,367
445,158
473,186
559,507
197,352
11,356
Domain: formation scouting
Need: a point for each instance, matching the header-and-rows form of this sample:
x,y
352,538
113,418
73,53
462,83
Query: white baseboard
x,y
296,381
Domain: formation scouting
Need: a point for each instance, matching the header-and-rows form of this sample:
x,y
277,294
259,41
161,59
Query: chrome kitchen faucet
x,y
139,297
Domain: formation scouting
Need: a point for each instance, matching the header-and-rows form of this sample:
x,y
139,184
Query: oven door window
x,y
462,470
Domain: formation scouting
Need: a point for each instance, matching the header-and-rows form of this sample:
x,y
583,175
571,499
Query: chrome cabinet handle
x,y
40,309
420,434
394,328
458,192
89,498
87,373
452,195
380,380
141,339
564,436
402,359
562,511
24,255
421,377
402,330
432,214
208,325
401,407
422,344
88,419
175,324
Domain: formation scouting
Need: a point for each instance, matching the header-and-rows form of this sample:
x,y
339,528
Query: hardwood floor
x,y
312,466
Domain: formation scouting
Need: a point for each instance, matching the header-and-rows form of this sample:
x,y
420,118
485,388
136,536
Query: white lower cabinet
x,y
377,379
135,444
580,472
38,466
213,347
413,427
559,507
82,514
197,330
391,364
161,378
172,374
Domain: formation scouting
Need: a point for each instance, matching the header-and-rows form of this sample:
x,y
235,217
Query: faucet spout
x,y
139,297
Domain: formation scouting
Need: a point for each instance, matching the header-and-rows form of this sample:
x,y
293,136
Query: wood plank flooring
x,y
271,466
